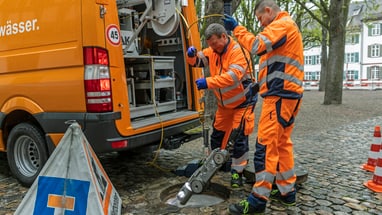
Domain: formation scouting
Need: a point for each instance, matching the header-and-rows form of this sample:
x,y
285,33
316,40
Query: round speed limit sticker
x,y
113,35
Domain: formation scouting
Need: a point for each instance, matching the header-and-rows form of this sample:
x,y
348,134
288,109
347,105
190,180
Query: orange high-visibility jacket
x,y
228,72
281,67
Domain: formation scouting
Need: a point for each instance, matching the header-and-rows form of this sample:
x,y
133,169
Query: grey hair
x,y
214,29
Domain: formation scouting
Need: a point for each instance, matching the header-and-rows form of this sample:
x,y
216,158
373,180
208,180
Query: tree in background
x,y
338,11
332,18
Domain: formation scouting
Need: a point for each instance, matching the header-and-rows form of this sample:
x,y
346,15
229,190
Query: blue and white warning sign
x,y
52,191
113,35
72,182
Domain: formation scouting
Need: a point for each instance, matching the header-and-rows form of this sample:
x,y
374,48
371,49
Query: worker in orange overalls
x,y
281,72
231,82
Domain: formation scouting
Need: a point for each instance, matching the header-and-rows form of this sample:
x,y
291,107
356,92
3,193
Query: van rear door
x,y
101,31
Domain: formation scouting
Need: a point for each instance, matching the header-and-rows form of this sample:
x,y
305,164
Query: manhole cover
x,y
214,194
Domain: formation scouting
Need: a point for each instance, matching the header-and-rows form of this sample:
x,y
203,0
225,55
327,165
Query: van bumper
x,y
100,129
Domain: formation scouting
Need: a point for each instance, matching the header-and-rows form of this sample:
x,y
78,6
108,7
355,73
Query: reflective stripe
x,y
202,57
263,191
255,46
234,77
237,97
377,177
238,67
265,176
236,46
263,65
378,171
285,175
268,43
285,188
241,159
235,85
240,163
373,155
282,59
261,177
282,75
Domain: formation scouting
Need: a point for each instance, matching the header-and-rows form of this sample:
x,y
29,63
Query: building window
x,y
352,39
312,76
375,29
351,75
374,50
308,60
313,60
317,59
352,57
374,72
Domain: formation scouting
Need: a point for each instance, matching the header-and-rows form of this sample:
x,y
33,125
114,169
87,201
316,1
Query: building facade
x,y
363,51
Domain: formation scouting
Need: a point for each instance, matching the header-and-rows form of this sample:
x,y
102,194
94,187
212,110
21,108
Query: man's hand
x,y
229,22
191,51
201,83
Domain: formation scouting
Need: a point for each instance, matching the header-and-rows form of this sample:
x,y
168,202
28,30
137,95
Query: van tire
x,y
26,152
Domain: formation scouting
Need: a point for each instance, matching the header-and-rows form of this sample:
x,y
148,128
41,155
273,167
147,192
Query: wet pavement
x,y
332,156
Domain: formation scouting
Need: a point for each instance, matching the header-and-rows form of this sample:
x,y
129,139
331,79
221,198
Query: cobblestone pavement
x,y
331,143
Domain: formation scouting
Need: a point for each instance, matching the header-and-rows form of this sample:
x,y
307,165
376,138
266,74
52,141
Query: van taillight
x,y
97,80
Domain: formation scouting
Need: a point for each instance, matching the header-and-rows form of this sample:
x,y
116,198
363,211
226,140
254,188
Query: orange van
x,y
117,67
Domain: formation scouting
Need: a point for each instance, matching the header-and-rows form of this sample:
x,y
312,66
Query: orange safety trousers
x,y
274,147
227,119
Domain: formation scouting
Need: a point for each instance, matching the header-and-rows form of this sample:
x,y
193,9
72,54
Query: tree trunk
x,y
324,59
337,30
211,7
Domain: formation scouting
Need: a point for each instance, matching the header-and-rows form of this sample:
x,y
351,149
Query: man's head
x,y
266,11
216,37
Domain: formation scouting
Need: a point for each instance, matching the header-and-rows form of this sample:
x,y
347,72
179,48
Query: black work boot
x,y
288,200
243,207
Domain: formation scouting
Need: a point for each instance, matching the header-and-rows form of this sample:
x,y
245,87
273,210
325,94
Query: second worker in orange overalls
x,y
232,84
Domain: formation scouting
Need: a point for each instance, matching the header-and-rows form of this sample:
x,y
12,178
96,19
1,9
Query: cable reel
x,y
165,20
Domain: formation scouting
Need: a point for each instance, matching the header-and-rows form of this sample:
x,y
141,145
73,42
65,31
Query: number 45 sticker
x,y
113,35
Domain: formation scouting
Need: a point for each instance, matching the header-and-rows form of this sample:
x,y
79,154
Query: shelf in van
x,y
158,83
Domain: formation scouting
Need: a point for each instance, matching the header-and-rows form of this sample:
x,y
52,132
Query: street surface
x,y
331,144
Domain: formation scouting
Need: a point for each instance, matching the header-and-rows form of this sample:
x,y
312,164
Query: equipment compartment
x,y
153,85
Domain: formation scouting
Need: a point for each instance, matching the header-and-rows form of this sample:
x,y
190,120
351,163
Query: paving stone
x,y
339,213
341,208
323,202
356,206
351,200
361,213
324,212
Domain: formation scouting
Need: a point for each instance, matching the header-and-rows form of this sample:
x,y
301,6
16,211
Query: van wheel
x,y
26,152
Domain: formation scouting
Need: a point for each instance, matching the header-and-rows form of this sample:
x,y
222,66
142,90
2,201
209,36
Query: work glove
x,y
191,51
201,83
229,22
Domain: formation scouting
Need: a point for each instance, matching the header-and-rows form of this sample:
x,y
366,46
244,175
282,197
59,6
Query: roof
x,y
360,12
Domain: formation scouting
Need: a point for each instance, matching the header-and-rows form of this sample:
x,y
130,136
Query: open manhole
x,y
211,195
